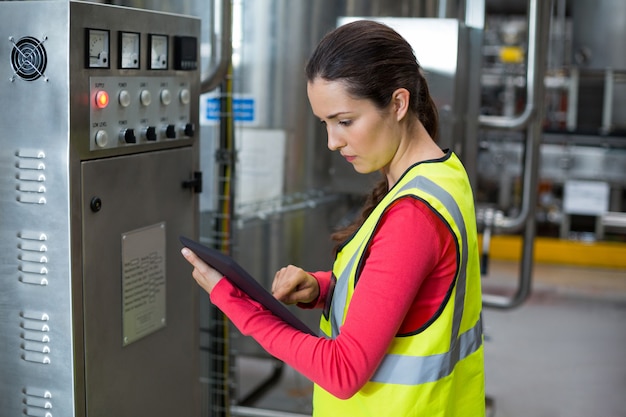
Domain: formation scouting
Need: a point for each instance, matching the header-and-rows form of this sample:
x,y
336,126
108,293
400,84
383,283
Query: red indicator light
x,y
102,99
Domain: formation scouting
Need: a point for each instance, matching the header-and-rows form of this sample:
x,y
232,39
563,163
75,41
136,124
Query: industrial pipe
x,y
212,80
538,12
531,118
533,74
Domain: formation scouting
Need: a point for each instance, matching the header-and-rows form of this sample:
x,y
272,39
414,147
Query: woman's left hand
x,y
206,276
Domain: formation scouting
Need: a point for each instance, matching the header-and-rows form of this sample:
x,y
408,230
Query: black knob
x,y
151,134
128,136
170,132
190,129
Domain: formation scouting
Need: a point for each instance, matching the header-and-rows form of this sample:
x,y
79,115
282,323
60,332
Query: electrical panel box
x,y
98,158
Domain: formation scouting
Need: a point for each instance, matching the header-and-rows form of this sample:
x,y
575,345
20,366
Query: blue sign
x,y
243,109
212,108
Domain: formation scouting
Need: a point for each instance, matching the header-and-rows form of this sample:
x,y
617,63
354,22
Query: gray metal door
x,y
137,303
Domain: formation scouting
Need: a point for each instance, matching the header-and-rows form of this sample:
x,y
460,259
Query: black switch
x,y
170,132
128,136
151,134
190,129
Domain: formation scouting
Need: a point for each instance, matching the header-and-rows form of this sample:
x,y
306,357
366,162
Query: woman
x,y
401,329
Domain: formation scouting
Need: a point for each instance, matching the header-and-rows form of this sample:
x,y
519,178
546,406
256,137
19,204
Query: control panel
x,y
99,111
126,111
139,101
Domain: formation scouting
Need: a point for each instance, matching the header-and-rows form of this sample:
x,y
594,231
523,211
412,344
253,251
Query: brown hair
x,y
372,61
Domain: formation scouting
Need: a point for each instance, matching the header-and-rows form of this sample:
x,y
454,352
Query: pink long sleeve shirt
x,y
409,269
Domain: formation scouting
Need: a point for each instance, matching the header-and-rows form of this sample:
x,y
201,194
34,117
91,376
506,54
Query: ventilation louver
x,y
28,58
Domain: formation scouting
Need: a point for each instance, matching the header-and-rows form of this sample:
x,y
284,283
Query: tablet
x,y
242,279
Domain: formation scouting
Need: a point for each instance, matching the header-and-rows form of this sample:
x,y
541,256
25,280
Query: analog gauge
x,y
158,51
129,50
97,48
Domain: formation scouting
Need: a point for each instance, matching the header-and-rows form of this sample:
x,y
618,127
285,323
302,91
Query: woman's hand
x,y
206,276
293,285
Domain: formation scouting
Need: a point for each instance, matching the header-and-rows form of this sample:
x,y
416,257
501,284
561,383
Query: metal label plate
x,y
143,282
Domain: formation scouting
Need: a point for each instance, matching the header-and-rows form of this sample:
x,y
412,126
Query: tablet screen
x,y
236,274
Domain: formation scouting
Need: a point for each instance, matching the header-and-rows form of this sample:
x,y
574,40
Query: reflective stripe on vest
x,y
412,370
341,289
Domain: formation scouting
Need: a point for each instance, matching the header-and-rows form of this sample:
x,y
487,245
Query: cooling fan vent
x,y
29,58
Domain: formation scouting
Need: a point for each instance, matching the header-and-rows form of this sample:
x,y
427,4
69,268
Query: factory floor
x,y
562,353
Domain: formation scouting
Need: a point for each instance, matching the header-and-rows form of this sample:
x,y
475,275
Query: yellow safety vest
x,y
438,372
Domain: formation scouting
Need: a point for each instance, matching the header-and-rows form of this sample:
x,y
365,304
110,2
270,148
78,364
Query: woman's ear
x,y
400,100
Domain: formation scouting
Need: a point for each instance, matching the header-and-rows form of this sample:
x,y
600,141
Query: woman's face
x,y
363,135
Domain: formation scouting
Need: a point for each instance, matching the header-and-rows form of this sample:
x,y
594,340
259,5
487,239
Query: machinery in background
x,y
98,179
583,143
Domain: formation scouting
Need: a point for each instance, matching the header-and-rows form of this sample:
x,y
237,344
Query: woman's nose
x,y
334,141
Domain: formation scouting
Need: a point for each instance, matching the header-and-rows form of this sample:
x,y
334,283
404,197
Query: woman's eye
x,y
345,122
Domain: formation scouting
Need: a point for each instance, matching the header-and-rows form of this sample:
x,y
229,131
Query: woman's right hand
x,y
293,285
205,275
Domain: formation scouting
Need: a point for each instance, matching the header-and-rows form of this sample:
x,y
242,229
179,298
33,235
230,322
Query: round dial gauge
x,y
129,50
97,48
158,52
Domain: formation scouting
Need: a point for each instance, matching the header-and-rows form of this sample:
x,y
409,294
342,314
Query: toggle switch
x,y
150,133
189,130
170,132
128,136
